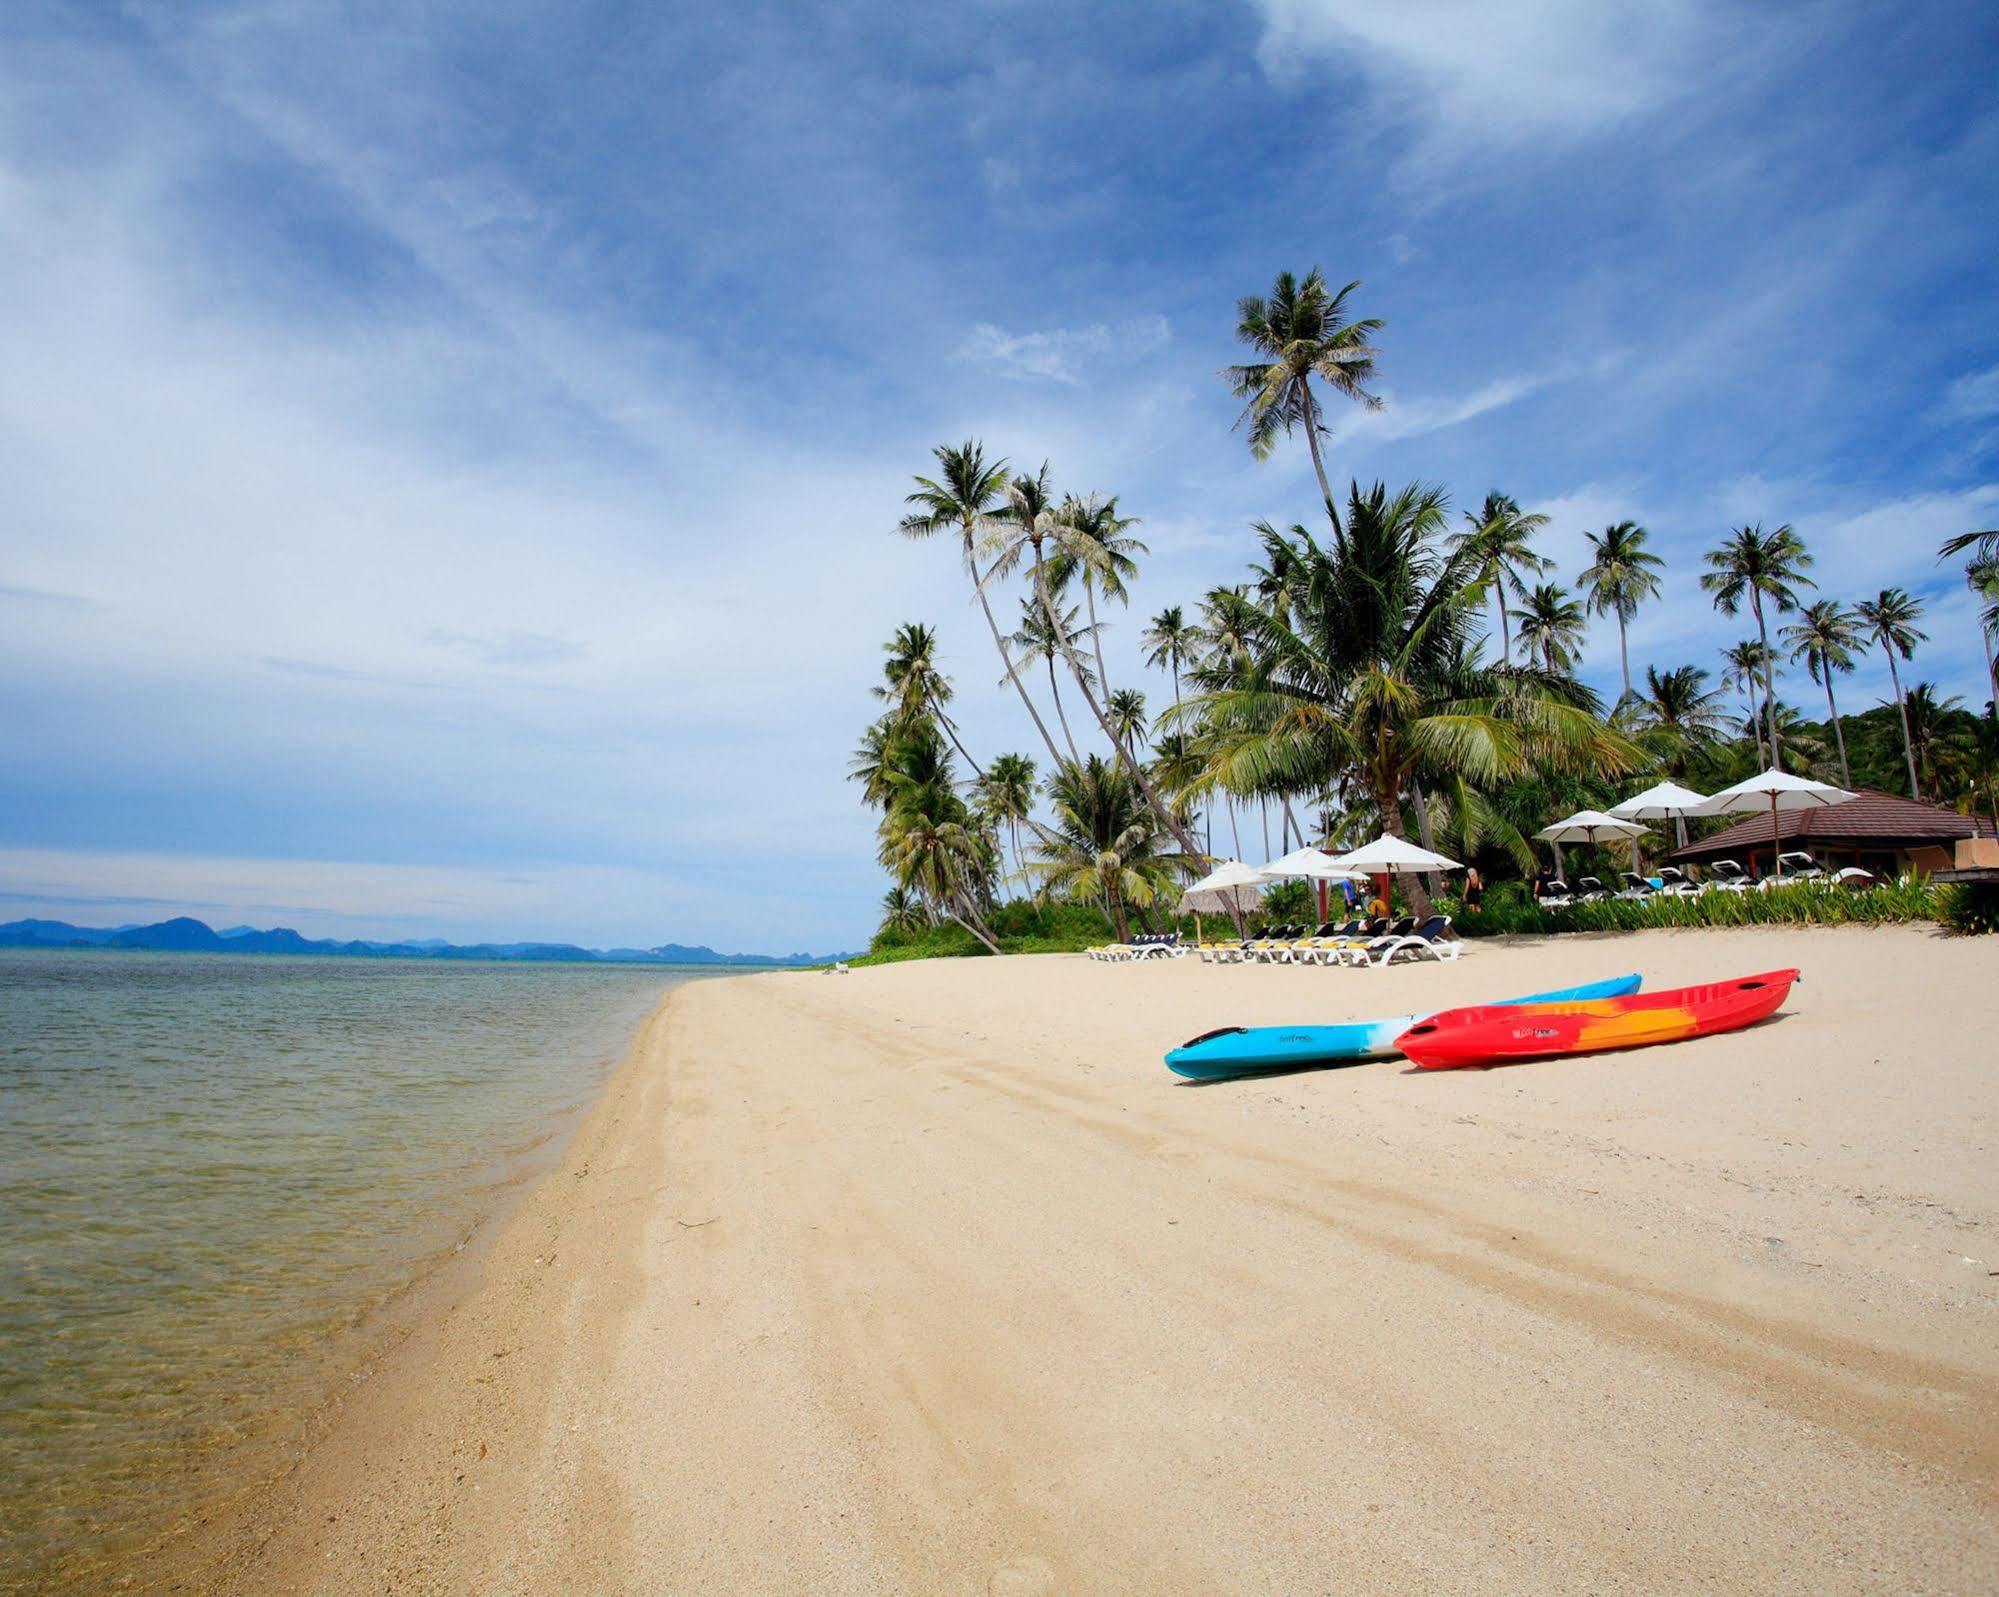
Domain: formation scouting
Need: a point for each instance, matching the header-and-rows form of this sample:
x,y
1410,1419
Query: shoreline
x,y
905,1280
227,1502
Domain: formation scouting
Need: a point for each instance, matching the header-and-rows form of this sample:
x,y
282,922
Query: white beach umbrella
x,y
1667,801
1591,826
1231,886
1776,790
1314,864
1396,856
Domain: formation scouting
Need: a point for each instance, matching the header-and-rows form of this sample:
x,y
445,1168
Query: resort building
x,y
1876,831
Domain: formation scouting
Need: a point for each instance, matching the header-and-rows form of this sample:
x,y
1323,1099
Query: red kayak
x,y
1496,1035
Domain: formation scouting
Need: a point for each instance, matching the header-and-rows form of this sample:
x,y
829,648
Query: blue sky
x,y
448,452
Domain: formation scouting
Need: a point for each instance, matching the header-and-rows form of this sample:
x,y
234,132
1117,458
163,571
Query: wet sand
x,y
931,1279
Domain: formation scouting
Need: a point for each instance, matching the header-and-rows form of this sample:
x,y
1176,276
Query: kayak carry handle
x,y
1209,1036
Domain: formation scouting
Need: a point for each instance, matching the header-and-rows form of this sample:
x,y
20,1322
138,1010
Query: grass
x,y
1509,910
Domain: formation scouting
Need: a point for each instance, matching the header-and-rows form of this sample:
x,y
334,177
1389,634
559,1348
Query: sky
x,y
450,452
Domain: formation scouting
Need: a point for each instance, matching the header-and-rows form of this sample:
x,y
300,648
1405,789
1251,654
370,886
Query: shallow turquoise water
x,y
211,1168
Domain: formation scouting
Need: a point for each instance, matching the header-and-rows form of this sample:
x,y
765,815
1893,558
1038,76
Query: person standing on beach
x,y
1474,890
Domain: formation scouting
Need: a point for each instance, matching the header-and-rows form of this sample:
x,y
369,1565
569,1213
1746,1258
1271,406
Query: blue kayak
x,y
1252,1050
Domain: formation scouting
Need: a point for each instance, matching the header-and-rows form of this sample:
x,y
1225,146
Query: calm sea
x,y
212,1169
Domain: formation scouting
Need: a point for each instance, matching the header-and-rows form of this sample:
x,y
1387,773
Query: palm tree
x,y
1623,575
1037,640
902,911
1127,707
1982,578
1760,566
1098,550
1298,333
1501,540
1745,662
1932,736
1826,637
913,684
1031,528
1891,617
1006,796
1171,643
963,498
1678,718
1105,843
1375,681
1986,543
1551,628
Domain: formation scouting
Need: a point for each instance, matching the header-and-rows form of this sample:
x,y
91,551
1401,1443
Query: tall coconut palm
x,y
1031,529
1933,732
903,911
913,685
1678,719
1890,618
1038,640
1826,637
1982,578
1743,665
1551,628
1006,795
1622,576
1767,569
1106,843
1097,551
1170,643
962,498
1500,538
1298,333
1374,681
1127,707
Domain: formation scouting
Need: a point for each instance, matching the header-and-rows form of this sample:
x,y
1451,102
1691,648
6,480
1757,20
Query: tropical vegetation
x,y
1398,666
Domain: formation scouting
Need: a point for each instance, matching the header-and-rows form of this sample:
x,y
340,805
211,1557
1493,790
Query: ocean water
x,y
214,1169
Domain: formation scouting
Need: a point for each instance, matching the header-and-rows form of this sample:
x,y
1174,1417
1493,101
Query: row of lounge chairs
x,y
1724,876
1357,942
1146,945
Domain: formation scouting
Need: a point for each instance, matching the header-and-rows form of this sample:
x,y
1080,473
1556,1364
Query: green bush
x,y
1969,907
1509,910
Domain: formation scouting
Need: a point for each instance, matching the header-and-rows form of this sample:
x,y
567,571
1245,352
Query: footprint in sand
x,y
1022,1577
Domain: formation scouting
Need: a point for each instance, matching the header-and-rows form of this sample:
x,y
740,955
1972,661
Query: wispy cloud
x,y
523,650
1472,69
1063,354
42,596
1975,395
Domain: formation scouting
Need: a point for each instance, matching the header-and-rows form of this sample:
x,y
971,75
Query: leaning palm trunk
x,y
1769,684
1318,460
1167,818
1062,716
1838,732
1426,836
1006,659
1390,805
1097,637
1902,709
969,919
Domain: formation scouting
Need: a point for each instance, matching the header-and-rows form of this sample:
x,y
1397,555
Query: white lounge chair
x,y
1425,942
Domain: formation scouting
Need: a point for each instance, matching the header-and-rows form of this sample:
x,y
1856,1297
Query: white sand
x,y
931,1279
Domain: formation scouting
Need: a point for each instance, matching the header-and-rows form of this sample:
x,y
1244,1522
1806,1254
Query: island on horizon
x,y
183,934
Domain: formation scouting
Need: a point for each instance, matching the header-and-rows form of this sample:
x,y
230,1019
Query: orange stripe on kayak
x,y
1636,1028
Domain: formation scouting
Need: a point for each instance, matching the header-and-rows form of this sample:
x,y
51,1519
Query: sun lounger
x,y
1726,876
1589,889
1358,951
1800,866
1332,936
1556,895
1674,880
1854,877
1356,934
1427,941
1635,886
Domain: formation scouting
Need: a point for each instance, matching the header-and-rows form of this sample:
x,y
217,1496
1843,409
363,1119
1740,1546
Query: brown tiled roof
x,y
1869,820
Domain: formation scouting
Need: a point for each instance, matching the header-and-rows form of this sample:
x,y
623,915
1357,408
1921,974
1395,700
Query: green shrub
x,y
1509,911
1969,907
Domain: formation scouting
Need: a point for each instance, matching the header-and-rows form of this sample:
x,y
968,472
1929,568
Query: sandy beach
x,y
931,1279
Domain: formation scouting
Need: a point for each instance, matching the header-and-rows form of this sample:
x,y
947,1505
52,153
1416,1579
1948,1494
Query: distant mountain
x,y
186,935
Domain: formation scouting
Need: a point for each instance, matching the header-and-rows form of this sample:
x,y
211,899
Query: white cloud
x,y
1974,395
1469,68
1063,354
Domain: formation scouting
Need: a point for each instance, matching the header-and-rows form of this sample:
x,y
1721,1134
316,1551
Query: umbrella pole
x,y
1776,853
